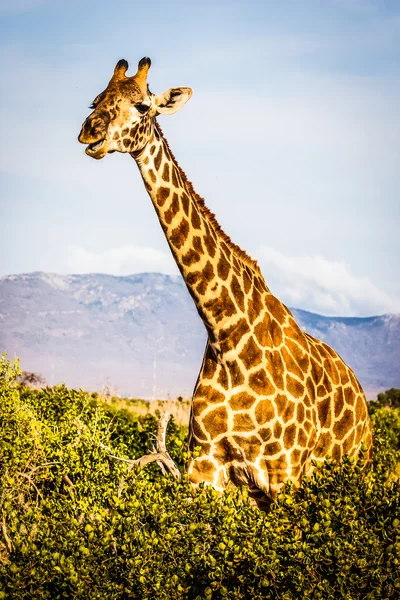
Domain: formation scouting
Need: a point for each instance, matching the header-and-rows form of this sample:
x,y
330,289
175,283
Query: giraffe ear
x,y
172,100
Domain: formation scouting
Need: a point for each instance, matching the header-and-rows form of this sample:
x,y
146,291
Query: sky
x,y
292,136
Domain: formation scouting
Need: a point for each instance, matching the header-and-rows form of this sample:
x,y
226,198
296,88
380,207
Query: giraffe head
x,y
123,115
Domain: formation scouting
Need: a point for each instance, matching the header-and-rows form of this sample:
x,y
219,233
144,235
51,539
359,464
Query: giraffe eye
x,y
142,108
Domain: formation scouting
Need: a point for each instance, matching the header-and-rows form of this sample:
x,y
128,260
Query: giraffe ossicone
x,y
269,397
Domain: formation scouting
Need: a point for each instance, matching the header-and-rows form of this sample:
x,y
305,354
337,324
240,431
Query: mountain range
x,y
141,336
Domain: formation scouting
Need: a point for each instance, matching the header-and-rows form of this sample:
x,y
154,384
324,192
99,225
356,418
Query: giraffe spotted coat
x,y
269,397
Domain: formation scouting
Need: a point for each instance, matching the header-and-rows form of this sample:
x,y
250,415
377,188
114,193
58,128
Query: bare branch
x,y
159,454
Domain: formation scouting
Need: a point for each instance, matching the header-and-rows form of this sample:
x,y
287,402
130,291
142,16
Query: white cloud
x,y
319,285
124,260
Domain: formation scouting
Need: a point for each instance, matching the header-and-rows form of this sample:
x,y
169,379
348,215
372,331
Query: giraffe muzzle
x,y
97,149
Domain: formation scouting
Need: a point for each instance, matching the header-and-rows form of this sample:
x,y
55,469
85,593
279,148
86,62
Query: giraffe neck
x,y
217,273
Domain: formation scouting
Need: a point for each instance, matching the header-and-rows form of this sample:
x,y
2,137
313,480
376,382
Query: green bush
x,y
78,524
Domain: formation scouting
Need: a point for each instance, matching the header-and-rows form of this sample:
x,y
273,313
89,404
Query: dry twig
x,y
159,453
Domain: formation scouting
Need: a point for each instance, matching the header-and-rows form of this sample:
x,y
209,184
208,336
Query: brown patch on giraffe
x,y
265,433
230,337
324,444
203,470
179,235
146,160
127,142
278,469
276,308
260,383
349,395
185,203
326,382
311,439
348,443
158,158
210,244
301,357
344,375
152,175
223,267
225,451
359,431
223,378
251,446
195,218
209,393
202,287
289,437
259,284
254,306
192,278
332,372
237,292
246,281
272,448
264,412
235,373
242,422
290,364
321,391
313,348
162,195
336,453
216,422
204,277
222,306
241,401
360,410
174,175
165,173
197,245
295,456
310,396
294,387
262,333
276,368
286,408
152,150
173,209
236,266
190,258
344,424
198,406
276,332
338,402
308,426
251,354
302,437
300,413
197,431
316,371
277,430
324,412
293,331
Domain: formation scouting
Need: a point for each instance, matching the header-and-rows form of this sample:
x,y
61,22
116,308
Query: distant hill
x,y
141,334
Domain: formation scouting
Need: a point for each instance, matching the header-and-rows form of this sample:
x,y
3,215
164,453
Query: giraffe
x,y
269,399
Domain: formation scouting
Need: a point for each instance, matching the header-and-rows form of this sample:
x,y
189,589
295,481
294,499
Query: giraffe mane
x,y
247,260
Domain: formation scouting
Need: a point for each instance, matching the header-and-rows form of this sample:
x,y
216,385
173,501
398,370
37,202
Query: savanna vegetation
x,y
77,523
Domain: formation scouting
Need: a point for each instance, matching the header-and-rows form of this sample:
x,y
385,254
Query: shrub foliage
x,y
76,523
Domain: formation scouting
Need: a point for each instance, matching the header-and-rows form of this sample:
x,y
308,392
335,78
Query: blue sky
x,y
292,136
